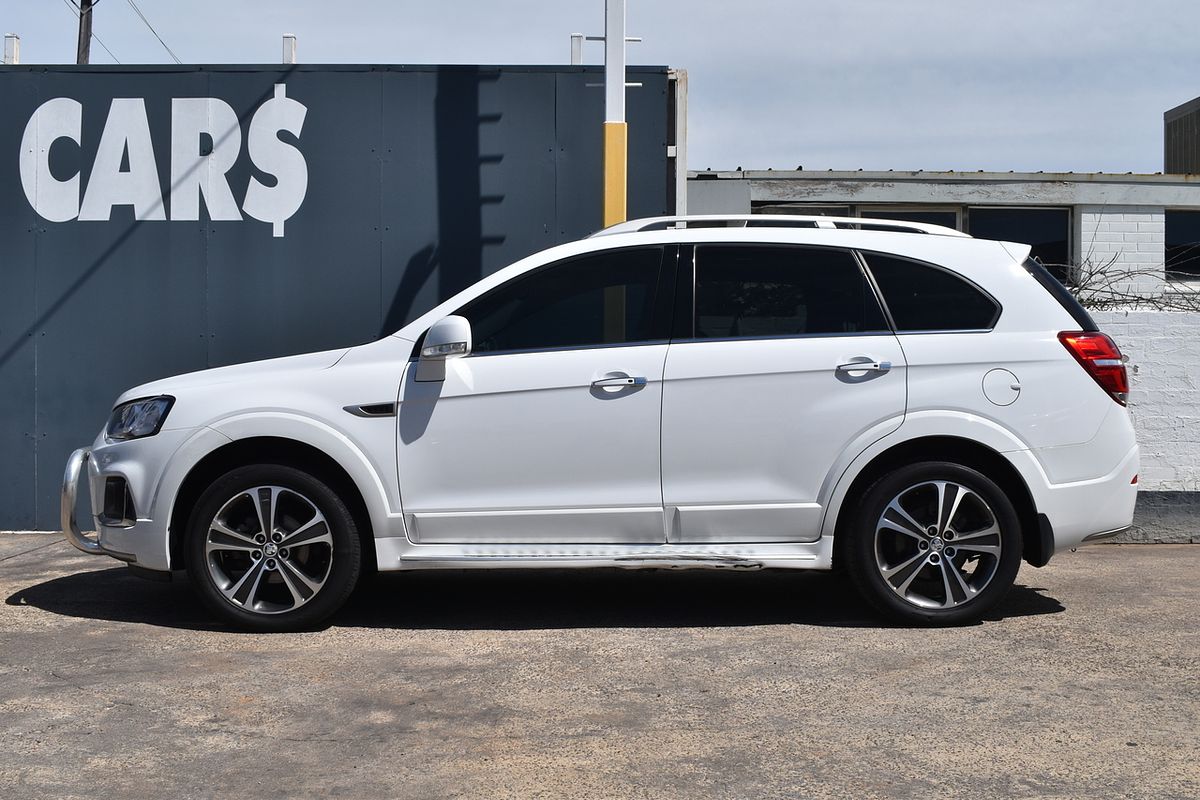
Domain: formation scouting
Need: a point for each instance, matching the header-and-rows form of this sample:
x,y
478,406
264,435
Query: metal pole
x,y
289,48
615,132
12,48
83,51
576,49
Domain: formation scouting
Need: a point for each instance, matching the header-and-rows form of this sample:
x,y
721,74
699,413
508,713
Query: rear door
x,y
784,359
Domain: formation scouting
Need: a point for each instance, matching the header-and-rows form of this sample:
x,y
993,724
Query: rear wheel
x,y
272,548
934,543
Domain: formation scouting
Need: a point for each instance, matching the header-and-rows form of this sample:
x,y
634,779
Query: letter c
x,y
55,200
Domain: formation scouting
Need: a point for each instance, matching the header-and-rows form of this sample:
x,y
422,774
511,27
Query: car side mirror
x,y
448,338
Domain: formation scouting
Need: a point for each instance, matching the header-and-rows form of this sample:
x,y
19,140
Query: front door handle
x,y
862,366
618,382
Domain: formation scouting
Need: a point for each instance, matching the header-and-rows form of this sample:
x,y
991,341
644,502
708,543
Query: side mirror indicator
x,y
444,350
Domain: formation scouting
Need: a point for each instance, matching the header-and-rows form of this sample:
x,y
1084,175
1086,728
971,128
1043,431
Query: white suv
x,y
919,408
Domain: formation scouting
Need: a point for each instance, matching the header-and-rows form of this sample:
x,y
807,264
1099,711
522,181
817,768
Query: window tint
x,y
1047,230
598,299
922,297
748,291
1183,244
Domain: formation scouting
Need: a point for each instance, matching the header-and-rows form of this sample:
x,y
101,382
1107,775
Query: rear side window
x,y
747,291
923,297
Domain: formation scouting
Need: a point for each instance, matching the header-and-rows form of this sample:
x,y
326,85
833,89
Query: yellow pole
x,y
616,138
615,172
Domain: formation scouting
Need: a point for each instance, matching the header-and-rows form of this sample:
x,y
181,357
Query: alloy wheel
x,y
938,544
269,550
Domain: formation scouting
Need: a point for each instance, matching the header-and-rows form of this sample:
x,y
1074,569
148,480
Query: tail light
x,y
1101,358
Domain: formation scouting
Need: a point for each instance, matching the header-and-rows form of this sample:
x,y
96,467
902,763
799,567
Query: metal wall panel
x,y
420,180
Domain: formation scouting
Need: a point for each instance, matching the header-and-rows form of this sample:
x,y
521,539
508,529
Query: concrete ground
x,y
1086,683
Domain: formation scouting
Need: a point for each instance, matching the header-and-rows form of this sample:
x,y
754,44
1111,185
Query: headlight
x,y
138,418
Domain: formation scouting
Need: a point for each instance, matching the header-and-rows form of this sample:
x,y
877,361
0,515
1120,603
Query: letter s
x,y
276,203
55,200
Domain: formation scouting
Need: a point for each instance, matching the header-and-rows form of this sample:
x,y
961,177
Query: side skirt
x,y
395,554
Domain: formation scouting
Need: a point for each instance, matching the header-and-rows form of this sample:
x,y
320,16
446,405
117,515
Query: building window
x,y
802,210
946,217
1048,230
1183,245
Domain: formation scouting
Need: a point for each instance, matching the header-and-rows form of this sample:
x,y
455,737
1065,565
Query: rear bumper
x,y
1083,512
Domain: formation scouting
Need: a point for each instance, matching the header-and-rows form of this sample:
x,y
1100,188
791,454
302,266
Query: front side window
x,y
747,291
923,297
604,298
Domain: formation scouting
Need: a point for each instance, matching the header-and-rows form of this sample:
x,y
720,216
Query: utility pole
x,y
615,133
84,51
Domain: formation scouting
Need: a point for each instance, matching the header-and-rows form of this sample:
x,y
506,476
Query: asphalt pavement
x,y
622,684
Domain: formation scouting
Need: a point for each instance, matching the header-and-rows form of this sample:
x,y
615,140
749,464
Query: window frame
x,y
660,312
684,328
863,254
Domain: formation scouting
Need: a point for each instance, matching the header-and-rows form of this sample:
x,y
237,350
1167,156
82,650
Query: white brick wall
x,y
1130,237
1164,369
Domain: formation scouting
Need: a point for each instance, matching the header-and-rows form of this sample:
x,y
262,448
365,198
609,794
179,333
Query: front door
x,y
765,392
549,431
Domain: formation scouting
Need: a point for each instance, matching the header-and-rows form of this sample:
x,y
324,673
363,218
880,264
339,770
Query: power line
x,y
73,7
133,5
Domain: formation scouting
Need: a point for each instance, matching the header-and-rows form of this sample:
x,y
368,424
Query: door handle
x,y
618,382
862,366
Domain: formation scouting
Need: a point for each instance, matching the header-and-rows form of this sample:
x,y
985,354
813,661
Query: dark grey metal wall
x,y
1181,138
420,181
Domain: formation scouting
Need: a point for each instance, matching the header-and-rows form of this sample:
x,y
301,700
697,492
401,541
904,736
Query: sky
x,y
1053,85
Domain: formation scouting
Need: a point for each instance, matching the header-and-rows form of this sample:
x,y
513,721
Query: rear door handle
x,y
862,366
624,380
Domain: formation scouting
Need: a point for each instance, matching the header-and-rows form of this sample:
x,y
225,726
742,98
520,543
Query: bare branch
x,y
1105,286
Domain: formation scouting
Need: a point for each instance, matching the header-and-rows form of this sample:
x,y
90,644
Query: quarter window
x,y
604,298
922,297
756,291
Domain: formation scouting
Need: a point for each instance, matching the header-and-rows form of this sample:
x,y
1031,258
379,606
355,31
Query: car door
x,y
548,432
784,360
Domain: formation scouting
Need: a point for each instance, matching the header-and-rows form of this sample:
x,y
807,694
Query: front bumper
x,y
67,502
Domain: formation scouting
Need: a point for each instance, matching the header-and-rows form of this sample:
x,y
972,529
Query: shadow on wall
x,y
457,255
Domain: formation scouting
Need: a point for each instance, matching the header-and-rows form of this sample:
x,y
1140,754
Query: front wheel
x,y
934,543
272,548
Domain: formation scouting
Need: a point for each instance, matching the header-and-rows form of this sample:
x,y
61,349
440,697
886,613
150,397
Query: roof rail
x,y
774,221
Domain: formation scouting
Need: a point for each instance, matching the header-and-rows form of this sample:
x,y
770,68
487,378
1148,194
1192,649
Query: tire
x,y
931,531
292,578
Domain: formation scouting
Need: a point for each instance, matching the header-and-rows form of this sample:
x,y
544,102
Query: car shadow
x,y
521,600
